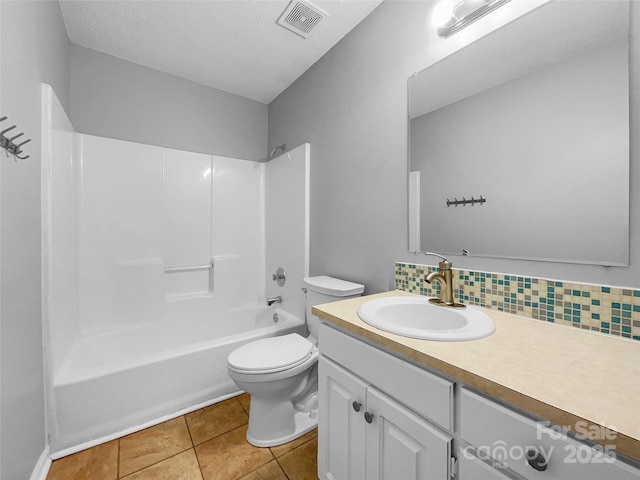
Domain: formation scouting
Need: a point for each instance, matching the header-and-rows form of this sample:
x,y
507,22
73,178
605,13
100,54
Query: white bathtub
x,y
113,383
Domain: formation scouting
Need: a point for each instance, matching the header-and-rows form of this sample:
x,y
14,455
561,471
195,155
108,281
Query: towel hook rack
x,y
455,202
9,144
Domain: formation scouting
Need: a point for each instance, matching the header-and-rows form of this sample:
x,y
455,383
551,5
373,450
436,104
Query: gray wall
x,y
34,49
114,98
352,107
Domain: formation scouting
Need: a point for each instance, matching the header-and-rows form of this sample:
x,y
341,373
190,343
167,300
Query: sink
x,y
415,317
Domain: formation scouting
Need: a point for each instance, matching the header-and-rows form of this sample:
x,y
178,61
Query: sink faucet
x,y
272,300
445,277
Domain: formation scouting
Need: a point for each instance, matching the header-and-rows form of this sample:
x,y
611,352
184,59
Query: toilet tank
x,y
323,289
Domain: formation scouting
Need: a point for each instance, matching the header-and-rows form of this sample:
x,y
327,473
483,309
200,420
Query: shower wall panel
x,y
120,234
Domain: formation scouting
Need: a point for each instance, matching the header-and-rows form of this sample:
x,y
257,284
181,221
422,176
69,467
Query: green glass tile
x,y
595,302
606,290
595,316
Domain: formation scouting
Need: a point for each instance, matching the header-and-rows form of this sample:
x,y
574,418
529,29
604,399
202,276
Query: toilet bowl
x,y
281,373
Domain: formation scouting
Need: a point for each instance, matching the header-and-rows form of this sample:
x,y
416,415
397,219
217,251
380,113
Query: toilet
x,y
281,373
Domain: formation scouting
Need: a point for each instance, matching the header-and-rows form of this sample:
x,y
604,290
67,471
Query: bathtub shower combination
x,y
157,265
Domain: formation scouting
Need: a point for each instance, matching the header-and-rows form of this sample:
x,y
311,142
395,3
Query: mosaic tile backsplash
x,y
610,310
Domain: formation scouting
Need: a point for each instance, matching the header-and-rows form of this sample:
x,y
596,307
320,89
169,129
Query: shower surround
x,y
155,269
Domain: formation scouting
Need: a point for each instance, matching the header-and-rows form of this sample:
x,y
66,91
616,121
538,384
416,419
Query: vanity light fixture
x,y
451,17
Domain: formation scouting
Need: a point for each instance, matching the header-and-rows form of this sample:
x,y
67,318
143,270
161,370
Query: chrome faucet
x,y
445,277
272,300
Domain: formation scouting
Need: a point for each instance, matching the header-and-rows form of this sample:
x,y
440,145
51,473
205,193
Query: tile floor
x,y
208,444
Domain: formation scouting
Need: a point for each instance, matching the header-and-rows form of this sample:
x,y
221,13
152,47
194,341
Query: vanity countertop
x,y
587,381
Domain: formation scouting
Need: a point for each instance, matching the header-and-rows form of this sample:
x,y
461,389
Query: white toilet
x,y
281,373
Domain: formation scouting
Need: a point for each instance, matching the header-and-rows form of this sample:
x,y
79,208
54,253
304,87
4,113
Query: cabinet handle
x,y
356,406
368,417
536,460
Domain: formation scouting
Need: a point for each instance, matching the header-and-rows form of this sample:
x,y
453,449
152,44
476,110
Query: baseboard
x,y
41,470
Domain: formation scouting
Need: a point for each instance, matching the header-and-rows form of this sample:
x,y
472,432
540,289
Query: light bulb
x,y
442,13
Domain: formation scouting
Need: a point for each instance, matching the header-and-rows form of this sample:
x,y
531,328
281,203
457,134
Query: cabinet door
x,y
401,445
341,432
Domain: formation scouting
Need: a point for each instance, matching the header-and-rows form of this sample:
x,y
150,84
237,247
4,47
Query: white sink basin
x,y
415,317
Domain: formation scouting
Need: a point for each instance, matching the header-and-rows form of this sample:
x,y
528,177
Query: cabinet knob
x,y
536,460
368,417
356,406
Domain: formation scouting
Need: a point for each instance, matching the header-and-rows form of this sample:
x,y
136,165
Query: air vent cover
x,y
301,17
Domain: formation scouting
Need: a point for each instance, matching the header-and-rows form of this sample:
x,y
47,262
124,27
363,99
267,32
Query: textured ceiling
x,y
232,45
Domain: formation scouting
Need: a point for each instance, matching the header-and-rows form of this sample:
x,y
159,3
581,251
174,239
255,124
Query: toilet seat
x,y
271,355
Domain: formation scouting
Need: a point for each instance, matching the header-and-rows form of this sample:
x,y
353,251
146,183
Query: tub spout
x,y
272,300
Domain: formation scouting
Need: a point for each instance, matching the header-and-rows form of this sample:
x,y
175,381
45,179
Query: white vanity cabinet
x,y
531,448
382,417
363,432
341,424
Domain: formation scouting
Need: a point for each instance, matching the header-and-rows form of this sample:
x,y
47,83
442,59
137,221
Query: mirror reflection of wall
x,y
549,150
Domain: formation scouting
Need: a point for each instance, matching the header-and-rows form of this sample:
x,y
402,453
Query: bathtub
x,y
118,382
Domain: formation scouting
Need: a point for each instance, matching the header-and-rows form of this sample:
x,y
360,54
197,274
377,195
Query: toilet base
x,y
303,424
274,422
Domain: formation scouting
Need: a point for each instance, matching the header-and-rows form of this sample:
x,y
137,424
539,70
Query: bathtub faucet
x,y
272,300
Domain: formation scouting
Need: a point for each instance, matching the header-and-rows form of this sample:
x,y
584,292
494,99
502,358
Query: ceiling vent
x,y
301,17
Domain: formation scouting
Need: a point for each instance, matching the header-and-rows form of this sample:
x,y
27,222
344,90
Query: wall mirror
x,y
533,118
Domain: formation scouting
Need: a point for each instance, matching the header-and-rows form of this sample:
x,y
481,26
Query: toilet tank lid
x,y
333,286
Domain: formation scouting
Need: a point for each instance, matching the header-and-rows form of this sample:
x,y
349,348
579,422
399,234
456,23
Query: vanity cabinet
x,y
382,417
364,433
342,428
532,448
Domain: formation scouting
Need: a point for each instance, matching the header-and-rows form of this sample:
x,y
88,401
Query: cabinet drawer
x,y
506,436
425,393
470,468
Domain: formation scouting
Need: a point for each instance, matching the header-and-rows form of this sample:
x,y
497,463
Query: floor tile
x,y
245,401
209,422
287,447
97,463
301,463
270,471
183,466
230,456
151,445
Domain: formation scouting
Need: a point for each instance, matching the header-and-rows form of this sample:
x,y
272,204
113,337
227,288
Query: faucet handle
x,y
444,264
436,255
